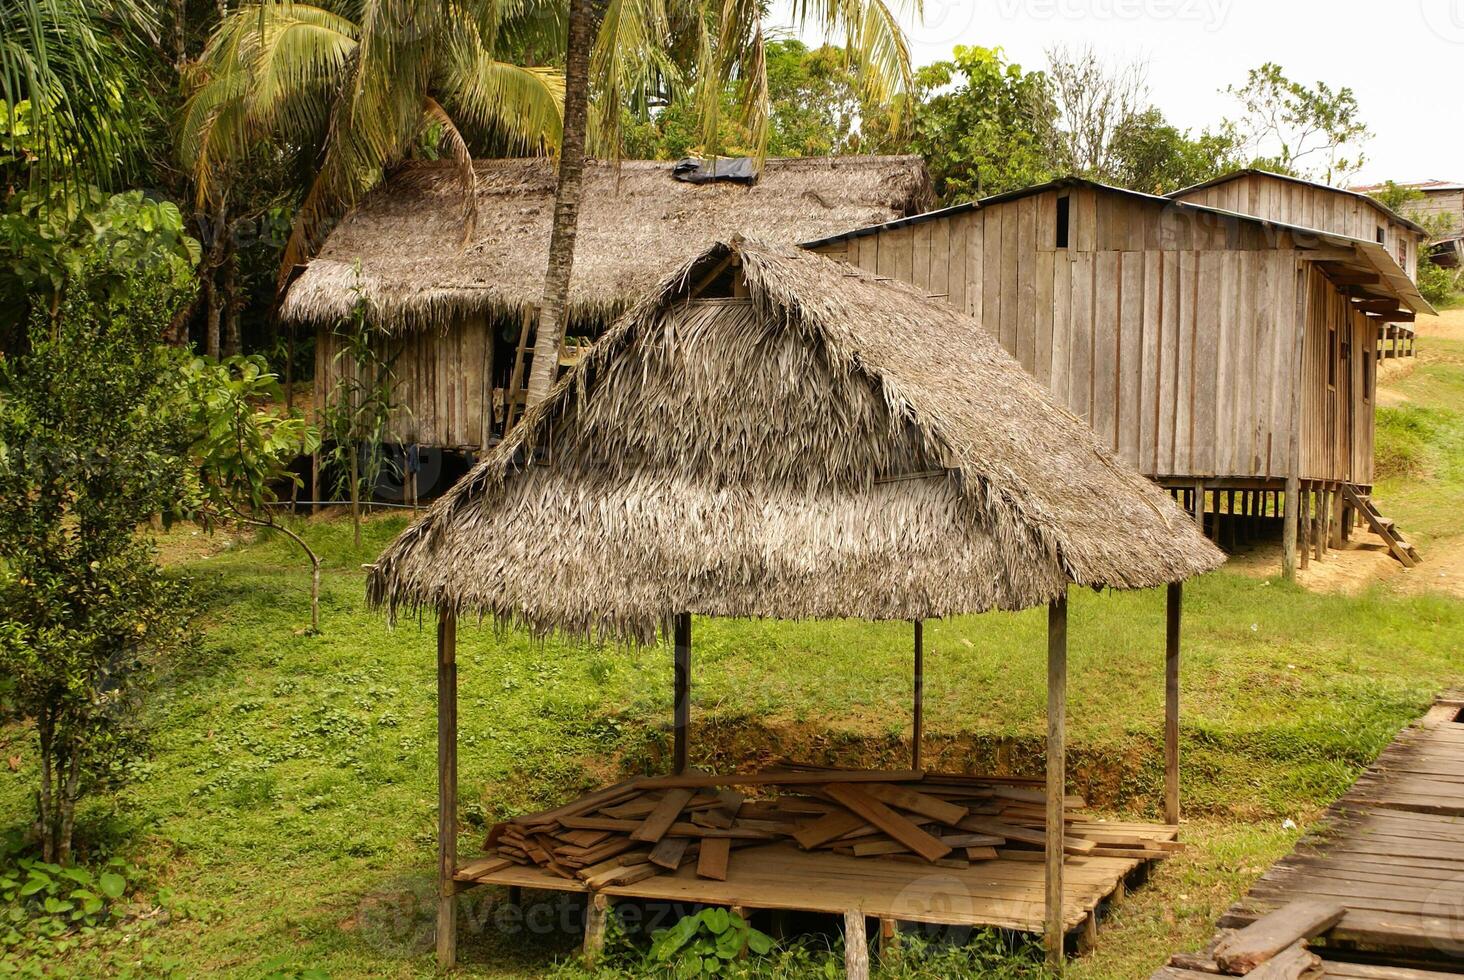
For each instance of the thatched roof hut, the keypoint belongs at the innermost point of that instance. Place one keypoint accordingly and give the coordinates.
(774, 434)
(636, 221)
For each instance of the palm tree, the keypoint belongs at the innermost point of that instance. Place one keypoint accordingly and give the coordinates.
(729, 41)
(357, 89)
(78, 64)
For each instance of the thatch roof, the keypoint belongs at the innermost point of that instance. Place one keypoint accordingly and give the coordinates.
(829, 446)
(636, 222)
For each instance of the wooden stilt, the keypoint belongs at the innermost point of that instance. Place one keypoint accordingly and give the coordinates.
(856, 946)
(1334, 521)
(1304, 520)
(1289, 529)
(683, 689)
(1173, 605)
(889, 939)
(597, 916)
(1197, 505)
(446, 789)
(918, 734)
(1052, 934)
(1319, 525)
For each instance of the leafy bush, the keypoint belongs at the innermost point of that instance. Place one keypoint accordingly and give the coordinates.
(46, 906)
(702, 945)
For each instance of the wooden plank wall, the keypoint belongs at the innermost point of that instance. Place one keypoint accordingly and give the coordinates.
(1320, 208)
(1174, 337)
(443, 383)
(1339, 384)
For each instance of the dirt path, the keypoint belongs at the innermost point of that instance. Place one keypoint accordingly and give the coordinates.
(1361, 563)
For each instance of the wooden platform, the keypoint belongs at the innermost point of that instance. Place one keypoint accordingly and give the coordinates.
(1391, 850)
(1391, 853)
(1005, 893)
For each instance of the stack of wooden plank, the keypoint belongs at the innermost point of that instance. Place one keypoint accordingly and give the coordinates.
(1274, 947)
(649, 825)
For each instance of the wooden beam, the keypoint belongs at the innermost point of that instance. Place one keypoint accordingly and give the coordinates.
(446, 789)
(682, 708)
(918, 734)
(1052, 933)
(1289, 529)
(1171, 702)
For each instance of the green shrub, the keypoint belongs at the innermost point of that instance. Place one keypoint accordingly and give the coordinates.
(1403, 436)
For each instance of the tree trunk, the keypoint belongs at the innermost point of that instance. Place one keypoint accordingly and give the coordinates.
(69, 792)
(45, 731)
(549, 334)
(233, 343)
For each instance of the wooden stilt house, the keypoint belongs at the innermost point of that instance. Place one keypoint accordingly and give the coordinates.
(457, 314)
(1228, 357)
(772, 434)
(1308, 204)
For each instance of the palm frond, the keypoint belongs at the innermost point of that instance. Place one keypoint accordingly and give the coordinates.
(462, 159)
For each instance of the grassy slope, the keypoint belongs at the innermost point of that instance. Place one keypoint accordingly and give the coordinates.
(294, 786)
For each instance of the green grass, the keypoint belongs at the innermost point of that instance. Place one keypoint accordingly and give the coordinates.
(288, 817)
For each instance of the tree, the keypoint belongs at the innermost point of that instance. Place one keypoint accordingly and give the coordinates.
(354, 95)
(90, 450)
(79, 67)
(1156, 157)
(1287, 127)
(1096, 105)
(240, 449)
(730, 48)
(985, 130)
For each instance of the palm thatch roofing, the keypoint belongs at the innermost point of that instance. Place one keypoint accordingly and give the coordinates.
(636, 221)
(827, 446)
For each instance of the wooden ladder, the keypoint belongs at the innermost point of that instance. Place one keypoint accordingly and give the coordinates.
(517, 396)
(1384, 527)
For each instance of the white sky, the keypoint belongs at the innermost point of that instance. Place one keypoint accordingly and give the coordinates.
(1402, 58)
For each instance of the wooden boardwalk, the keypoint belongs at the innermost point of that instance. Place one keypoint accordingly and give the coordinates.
(1391, 852)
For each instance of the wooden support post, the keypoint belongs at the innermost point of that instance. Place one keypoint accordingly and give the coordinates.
(856, 946)
(889, 940)
(1171, 702)
(1335, 521)
(446, 789)
(1197, 505)
(597, 915)
(1052, 933)
(1289, 529)
(1319, 525)
(1303, 518)
(683, 688)
(919, 726)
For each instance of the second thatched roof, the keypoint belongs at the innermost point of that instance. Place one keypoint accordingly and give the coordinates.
(774, 434)
(402, 249)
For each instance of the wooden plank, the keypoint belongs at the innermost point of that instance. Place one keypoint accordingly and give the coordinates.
(991, 251)
(916, 802)
(887, 820)
(1106, 357)
(1080, 359)
(670, 851)
(654, 827)
(826, 828)
(1130, 369)
(1272, 934)
(813, 778)
(1046, 274)
(711, 861)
